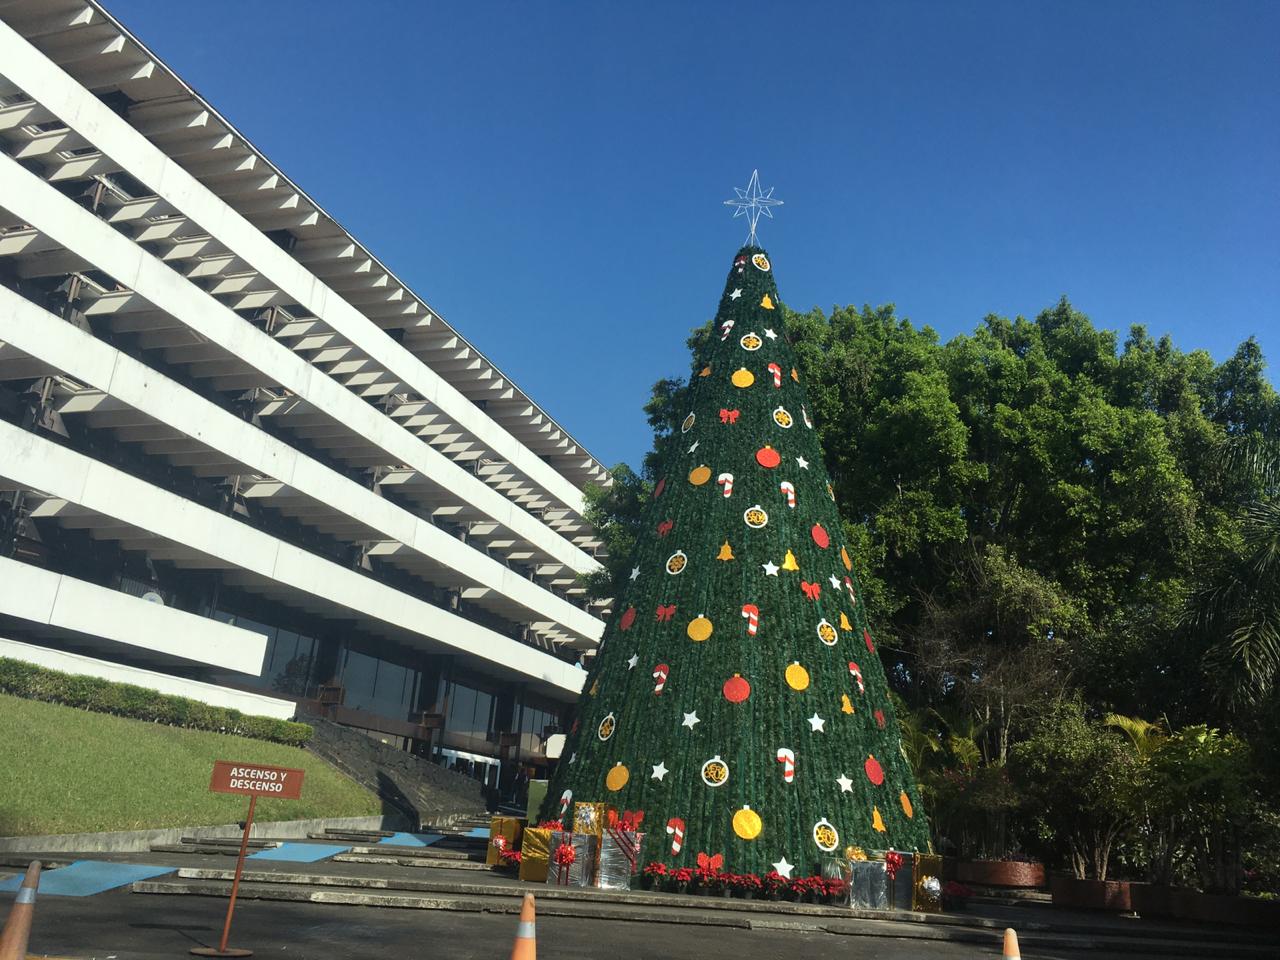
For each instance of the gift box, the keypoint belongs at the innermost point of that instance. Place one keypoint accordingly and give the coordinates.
(535, 855)
(926, 889)
(537, 794)
(868, 885)
(509, 829)
(588, 818)
(575, 867)
(900, 882)
(619, 858)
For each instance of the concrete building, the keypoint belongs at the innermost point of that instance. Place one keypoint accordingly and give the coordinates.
(239, 459)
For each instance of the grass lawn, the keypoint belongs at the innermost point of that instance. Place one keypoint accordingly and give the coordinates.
(71, 771)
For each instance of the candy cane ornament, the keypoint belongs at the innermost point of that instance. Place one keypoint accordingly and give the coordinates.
(726, 482)
(751, 613)
(776, 370)
(675, 828)
(724, 330)
(789, 491)
(565, 799)
(660, 673)
(788, 760)
(857, 675)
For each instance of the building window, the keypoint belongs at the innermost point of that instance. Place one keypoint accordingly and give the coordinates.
(470, 712)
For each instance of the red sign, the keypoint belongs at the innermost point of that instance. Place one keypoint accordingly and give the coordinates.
(256, 780)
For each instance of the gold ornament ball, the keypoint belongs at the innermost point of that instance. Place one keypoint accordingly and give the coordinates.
(797, 677)
(742, 377)
(699, 629)
(617, 778)
(747, 823)
(699, 475)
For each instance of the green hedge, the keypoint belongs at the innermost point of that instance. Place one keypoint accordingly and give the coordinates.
(126, 700)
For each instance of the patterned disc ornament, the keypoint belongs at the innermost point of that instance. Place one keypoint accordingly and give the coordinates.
(782, 418)
(825, 835)
(677, 562)
(688, 423)
(760, 262)
(755, 517)
(751, 342)
(607, 726)
(742, 378)
(617, 778)
(699, 475)
(715, 772)
(699, 629)
(768, 457)
(827, 633)
(797, 676)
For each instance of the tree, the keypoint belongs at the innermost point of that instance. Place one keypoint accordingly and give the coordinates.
(1081, 779)
(737, 692)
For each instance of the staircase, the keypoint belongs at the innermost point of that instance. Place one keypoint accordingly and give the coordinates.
(421, 791)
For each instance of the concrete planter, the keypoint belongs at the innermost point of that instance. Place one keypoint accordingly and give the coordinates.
(1000, 873)
(1076, 894)
(1154, 901)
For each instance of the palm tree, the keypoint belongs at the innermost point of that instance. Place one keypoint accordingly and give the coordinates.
(1236, 608)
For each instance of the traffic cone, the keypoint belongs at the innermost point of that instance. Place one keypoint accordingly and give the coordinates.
(17, 929)
(1011, 951)
(526, 945)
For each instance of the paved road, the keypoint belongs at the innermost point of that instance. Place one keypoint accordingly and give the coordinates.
(123, 926)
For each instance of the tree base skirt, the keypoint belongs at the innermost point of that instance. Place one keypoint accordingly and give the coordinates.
(1000, 873)
(1155, 901)
(1077, 894)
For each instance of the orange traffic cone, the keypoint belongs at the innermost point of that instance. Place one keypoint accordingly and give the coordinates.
(17, 929)
(526, 945)
(1011, 951)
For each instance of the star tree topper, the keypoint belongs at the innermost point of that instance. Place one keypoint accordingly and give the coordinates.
(752, 203)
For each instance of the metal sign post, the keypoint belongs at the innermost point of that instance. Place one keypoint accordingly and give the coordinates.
(253, 780)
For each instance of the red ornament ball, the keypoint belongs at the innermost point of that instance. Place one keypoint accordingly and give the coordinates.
(866, 638)
(736, 689)
(820, 536)
(768, 457)
(874, 771)
(627, 619)
(879, 715)
(662, 485)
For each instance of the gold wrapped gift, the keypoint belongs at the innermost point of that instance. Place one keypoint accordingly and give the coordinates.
(926, 878)
(535, 855)
(588, 818)
(509, 828)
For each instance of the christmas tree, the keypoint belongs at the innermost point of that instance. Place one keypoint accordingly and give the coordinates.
(737, 697)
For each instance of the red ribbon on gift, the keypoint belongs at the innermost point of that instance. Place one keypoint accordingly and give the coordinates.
(629, 820)
(565, 854)
(892, 861)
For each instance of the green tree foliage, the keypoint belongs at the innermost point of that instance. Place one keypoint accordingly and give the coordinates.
(1049, 511)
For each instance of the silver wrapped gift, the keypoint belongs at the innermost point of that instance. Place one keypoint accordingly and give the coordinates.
(868, 885)
(902, 887)
(580, 873)
(619, 858)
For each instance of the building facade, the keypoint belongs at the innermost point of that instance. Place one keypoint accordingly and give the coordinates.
(239, 459)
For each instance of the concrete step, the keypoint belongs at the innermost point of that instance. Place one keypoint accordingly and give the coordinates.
(412, 861)
(433, 852)
(256, 843)
(705, 912)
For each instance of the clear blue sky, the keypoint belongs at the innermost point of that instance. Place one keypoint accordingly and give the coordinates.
(549, 176)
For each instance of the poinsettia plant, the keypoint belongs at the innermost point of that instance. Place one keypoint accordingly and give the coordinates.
(655, 869)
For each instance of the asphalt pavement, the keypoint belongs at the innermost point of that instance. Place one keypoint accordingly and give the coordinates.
(123, 926)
